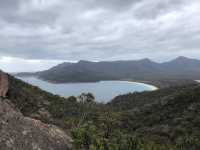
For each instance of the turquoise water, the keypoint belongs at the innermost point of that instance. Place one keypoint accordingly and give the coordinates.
(103, 91)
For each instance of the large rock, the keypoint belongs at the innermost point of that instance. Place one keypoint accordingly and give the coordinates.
(22, 133)
(4, 84)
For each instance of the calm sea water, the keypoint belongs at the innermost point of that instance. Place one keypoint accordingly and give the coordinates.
(103, 91)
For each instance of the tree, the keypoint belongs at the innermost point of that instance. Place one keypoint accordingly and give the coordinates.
(86, 98)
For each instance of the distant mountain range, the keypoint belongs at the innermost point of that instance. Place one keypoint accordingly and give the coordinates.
(145, 69)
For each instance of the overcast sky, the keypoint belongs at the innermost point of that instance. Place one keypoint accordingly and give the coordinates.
(37, 34)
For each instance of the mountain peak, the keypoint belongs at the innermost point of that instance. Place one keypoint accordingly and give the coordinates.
(83, 61)
(181, 58)
(146, 59)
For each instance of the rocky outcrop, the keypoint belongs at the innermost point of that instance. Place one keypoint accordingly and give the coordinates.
(22, 133)
(4, 84)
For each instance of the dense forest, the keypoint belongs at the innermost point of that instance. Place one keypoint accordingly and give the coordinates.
(166, 119)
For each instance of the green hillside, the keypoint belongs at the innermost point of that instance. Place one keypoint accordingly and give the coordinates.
(167, 119)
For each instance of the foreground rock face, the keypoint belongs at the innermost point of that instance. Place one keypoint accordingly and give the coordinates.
(4, 84)
(22, 133)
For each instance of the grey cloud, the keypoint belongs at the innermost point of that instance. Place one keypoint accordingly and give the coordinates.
(98, 30)
(154, 8)
(9, 8)
(115, 4)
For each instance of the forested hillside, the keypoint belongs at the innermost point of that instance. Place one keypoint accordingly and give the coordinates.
(166, 119)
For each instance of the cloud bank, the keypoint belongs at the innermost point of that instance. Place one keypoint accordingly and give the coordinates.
(49, 30)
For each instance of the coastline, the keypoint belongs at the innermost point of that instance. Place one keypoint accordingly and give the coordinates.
(153, 84)
(166, 83)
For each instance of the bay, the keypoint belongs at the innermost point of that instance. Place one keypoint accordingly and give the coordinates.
(104, 91)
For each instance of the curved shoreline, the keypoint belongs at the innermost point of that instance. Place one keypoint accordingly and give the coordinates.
(166, 83)
(149, 84)
(153, 84)
(153, 87)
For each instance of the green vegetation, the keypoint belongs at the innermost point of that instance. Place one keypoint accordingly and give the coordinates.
(167, 119)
